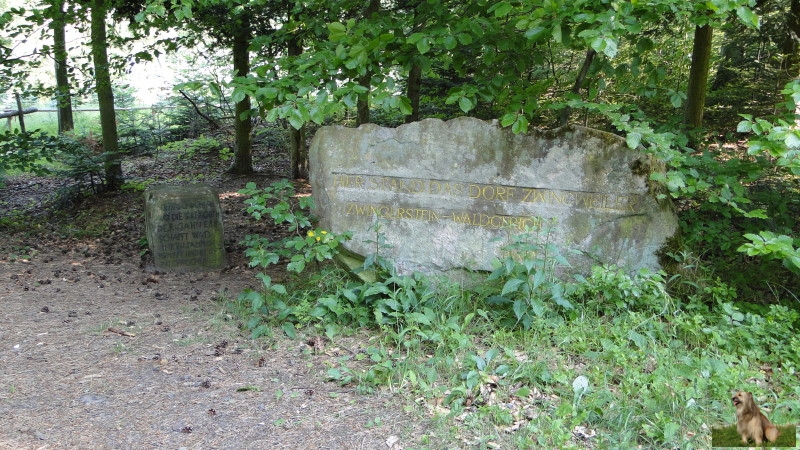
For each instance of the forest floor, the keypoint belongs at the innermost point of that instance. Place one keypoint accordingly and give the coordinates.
(100, 350)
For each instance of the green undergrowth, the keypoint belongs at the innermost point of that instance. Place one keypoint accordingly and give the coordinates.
(729, 437)
(524, 359)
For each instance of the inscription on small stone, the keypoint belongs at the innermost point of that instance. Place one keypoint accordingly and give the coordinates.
(449, 195)
(184, 228)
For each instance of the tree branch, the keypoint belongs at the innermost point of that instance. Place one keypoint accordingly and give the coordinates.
(214, 125)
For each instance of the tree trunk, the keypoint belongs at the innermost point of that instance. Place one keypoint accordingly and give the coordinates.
(298, 153)
(63, 94)
(243, 157)
(362, 107)
(576, 88)
(105, 96)
(791, 44)
(414, 88)
(698, 77)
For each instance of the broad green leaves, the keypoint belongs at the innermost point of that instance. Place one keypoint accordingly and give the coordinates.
(505, 53)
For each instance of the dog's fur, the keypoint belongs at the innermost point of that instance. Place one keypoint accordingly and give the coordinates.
(751, 423)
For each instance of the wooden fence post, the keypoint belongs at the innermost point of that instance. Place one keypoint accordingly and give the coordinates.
(21, 113)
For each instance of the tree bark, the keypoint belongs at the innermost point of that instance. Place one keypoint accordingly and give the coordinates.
(243, 156)
(105, 96)
(63, 94)
(791, 44)
(298, 153)
(414, 91)
(576, 88)
(698, 77)
(362, 106)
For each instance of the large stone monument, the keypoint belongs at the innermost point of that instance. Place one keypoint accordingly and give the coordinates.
(184, 227)
(449, 195)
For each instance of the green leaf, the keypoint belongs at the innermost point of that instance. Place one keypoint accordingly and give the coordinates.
(264, 279)
(520, 125)
(289, 329)
(501, 9)
(644, 44)
(536, 33)
(464, 38)
(405, 106)
(676, 99)
(423, 45)
(792, 140)
(238, 95)
(350, 99)
(296, 266)
(633, 139)
(744, 126)
(792, 263)
(296, 119)
(557, 33)
(756, 213)
(511, 285)
(336, 31)
(671, 431)
(520, 308)
(419, 318)
(747, 16)
(598, 44)
(465, 104)
(610, 48)
(637, 339)
(508, 119)
(279, 288)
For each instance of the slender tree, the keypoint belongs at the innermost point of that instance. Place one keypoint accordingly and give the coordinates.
(791, 44)
(298, 154)
(414, 91)
(243, 156)
(365, 80)
(105, 94)
(698, 76)
(63, 95)
(576, 88)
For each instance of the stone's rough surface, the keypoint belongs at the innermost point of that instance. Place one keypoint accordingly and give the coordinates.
(449, 195)
(184, 228)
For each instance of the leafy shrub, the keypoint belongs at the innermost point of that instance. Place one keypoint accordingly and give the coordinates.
(303, 246)
(529, 277)
(271, 137)
(200, 145)
(195, 112)
(84, 163)
(30, 152)
(611, 286)
(78, 159)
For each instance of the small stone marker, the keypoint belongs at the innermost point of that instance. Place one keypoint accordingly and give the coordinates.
(449, 195)
(184, 227)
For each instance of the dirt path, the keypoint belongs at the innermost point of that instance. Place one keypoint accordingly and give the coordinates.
(99, 351)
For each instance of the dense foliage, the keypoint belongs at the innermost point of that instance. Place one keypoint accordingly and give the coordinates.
(484, 354)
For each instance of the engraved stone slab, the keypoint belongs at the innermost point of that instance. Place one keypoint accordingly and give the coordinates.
(449, 195)
(184, 227)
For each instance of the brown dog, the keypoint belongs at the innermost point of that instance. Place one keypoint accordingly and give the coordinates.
(751, 423)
